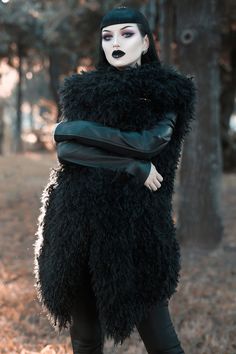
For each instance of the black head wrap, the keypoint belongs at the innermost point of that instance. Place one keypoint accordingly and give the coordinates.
(126, 14)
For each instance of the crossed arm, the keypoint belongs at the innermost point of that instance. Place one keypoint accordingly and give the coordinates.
(75, 153)
(140, 145)
(92, 144)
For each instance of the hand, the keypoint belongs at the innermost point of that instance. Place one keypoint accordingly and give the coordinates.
(154, 179)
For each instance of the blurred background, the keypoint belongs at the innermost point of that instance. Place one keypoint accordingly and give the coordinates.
(42, 42)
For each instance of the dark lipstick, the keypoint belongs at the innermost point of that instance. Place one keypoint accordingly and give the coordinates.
(117, 54)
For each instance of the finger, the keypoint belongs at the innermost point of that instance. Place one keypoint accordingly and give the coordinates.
(156, 183)
(149, 187)
(159, 177)
(153, 186)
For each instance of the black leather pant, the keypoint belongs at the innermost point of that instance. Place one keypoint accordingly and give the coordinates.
(157, 330)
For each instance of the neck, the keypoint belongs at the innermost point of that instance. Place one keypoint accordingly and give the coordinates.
(136, 65)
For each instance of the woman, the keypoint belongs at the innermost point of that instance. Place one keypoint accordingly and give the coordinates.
(106, 255)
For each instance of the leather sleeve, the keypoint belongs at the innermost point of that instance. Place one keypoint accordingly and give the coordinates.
(73, 152)
(141, 145)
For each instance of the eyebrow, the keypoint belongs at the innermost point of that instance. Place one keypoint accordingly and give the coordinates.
(121, 28)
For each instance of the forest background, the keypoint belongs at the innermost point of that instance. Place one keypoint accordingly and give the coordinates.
(42, 42)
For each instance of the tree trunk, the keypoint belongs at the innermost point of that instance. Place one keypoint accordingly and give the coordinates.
(31, 118)
(54, 72)
(17, 144)
(227, 98)
(166, 21)
(1, 128)
(149, 10)
(198, 40)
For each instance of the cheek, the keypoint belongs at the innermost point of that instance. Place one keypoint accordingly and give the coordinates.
(103, 46)
(107, 47)
(133, 44)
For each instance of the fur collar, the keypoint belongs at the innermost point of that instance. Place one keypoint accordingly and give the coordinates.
(134, 98)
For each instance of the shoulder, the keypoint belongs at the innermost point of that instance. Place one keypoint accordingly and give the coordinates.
(74, 92)
(181, 87)
(179, 79)
(75, 86)
(75, 81)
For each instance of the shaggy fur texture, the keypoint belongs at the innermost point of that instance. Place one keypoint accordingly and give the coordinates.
(122, 230)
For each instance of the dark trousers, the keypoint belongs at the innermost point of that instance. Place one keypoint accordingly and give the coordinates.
(156, 330)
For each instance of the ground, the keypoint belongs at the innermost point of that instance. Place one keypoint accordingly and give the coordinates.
(203, 310)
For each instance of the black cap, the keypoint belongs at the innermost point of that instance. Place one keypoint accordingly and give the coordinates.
(124, 15)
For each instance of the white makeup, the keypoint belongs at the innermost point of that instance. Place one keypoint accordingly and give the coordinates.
(124, 37)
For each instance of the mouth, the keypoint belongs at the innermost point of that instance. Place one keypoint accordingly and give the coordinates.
(117, 54)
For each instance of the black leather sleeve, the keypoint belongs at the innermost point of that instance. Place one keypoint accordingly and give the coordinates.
(73, 152)
(141, 145)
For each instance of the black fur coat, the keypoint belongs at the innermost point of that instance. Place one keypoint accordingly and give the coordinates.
(123, 231)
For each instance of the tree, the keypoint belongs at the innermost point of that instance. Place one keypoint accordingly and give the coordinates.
(19, 30)
(167, 29)
(228, 83)
(198, 42)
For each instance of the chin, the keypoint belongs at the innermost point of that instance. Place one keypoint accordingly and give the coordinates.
(118, 64)
(121, 65)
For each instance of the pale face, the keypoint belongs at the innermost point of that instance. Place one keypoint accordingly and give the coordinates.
(124, 37)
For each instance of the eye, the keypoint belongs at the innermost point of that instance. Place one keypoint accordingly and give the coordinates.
(128, 34)
(107, 37)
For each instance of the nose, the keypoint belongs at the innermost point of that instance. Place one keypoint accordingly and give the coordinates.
(115, 42)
